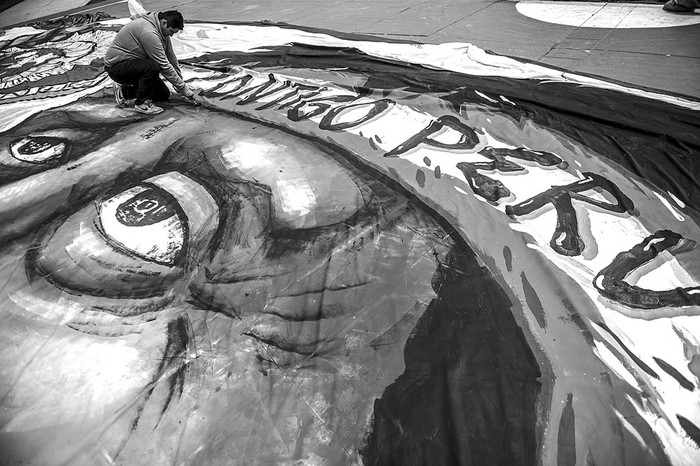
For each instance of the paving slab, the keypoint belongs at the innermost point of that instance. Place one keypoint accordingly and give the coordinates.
(259, 10)
(610, 16)
(428, 18)
(576, 43)
(509, 26)
(589, 33)
(568, 53)
(28, 9)
(569, 64)
(654, 41)
(288, 12)
(352, 16)
(656, 71)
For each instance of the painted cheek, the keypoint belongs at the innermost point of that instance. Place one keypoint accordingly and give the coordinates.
(309, 189)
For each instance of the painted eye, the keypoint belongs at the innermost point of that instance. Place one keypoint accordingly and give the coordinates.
(38, 149)
(146, 221)
(132, 245)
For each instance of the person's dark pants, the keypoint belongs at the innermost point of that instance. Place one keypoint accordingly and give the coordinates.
(139, 79)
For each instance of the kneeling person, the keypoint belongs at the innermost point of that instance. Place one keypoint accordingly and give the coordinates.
(140, 53)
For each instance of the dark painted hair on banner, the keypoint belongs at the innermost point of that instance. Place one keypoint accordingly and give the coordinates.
(174, 19)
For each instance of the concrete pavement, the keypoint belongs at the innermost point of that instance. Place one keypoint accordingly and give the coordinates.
(638, 44)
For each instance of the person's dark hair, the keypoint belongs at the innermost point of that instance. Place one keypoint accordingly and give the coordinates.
(174, 19)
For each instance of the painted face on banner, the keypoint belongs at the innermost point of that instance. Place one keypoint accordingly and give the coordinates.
(269, 253)
(303, 268)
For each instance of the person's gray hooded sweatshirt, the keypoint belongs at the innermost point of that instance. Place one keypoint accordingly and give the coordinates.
(142, 38)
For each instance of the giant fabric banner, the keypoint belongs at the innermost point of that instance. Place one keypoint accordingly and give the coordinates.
(355, 252)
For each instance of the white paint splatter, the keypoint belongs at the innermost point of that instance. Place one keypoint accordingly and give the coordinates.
(614, 364)
(504, 99)
(671, 209)
(678, 202)
(484, 96)
(297, 197)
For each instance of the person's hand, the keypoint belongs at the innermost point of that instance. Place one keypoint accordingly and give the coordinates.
(195, 98)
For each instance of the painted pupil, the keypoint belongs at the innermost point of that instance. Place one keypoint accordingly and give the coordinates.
(34, 146)
(146, 208)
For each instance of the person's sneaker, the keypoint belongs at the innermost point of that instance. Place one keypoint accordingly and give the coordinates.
(674, 7)
(148, 108)
(122, 102)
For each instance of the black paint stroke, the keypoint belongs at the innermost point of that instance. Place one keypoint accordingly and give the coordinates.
(690, 429)
(318, 106)
(395, 334)
(493, 190)
(566, 239)
(308, 90)
(482, 185)
(498, 156)
(271, 87)
(508, 257)
(566, 437)
(578, 320)
(238, 90)
(533, 301)
(376, 108)
(610, 281)
(673, 372)
(590, 461)
(467, 140)
(420, 178)
(469, 392)
(172, 369)
(174, 355)
(295, 90)
(644, 366)
(257, 91)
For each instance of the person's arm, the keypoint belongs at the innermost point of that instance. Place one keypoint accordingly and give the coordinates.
(153, 47)
(172, 58)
